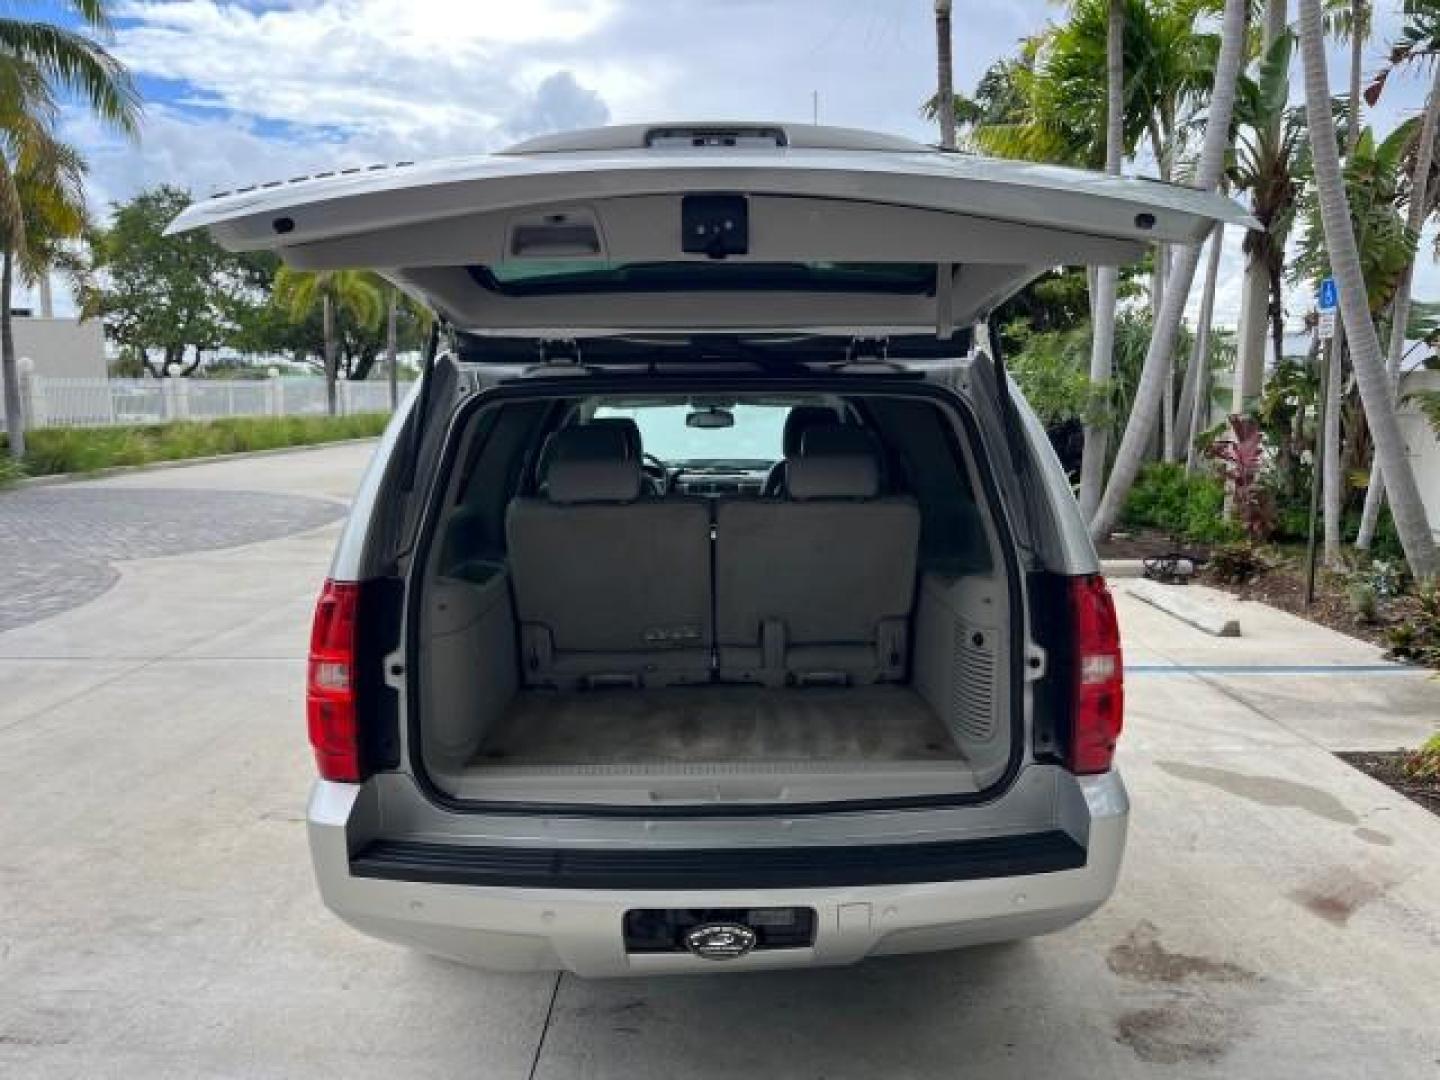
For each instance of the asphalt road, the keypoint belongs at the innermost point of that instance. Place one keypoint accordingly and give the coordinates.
(1278, 916)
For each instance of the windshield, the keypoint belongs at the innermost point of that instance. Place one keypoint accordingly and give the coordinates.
(756, 438)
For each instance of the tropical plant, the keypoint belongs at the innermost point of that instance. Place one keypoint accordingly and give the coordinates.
(1157, 369)
(1242, 457)
(348, 295)
(1286, 411)
(1339, 232)
(39, 176)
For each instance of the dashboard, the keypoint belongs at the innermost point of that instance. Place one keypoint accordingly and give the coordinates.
(715, 483)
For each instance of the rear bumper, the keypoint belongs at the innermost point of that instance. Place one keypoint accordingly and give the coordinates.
(563, 910)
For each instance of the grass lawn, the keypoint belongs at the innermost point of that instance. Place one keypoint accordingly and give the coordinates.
(50, 451)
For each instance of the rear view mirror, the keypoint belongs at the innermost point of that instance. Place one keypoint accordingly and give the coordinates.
(712, 417)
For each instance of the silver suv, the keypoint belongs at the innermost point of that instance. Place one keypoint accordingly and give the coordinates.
(714, 602)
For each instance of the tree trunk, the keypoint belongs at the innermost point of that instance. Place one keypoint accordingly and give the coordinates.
(14, 414)
(1102, 338)
(327, 318)
(1255, 311)
(390, 336)
(1141, 425)
(1167, 417)
(1400, 308)
(1333, 474)
(1274, 24)
(1406, 507)
(1277, 311)
(1195, 394)
(944, 74)
(1250, 334)
(47, 297)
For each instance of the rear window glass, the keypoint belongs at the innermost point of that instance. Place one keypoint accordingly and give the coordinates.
(534, 277)
(755, 438)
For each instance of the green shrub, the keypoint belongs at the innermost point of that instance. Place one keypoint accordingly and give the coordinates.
(1364, 601)
(1192, 507)
(1235, 564)
(1424, 764)
(10, 469)
(71, 450)
(1418, 637)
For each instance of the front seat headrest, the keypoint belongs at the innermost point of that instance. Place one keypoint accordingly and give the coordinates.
(592, 463)
(800, 419)
(627, 426)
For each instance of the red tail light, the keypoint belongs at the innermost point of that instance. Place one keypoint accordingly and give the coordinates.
(330, 683)
(1099, 676)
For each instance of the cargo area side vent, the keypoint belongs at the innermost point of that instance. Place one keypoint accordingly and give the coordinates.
(972, 693)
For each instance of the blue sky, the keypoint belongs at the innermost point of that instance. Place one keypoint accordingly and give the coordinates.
(244, 91)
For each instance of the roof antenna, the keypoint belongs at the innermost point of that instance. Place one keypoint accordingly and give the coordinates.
(815, 106)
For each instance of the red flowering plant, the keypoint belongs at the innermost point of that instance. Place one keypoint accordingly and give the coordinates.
(1242, 458)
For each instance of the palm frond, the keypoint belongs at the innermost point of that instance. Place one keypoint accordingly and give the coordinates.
(71, 60)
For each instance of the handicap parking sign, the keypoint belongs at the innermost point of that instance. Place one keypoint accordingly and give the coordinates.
(1329, 296)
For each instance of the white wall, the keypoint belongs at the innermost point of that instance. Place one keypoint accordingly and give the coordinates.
(62, 348)
(1424, 447)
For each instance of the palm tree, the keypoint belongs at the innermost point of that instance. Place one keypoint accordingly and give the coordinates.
(39, 176)
(1250, 365)
(1156, 373)
(338, 293)
(1270, 155)
(47, 179)
(1102, 343)
(1406, 506)
(1419, 42)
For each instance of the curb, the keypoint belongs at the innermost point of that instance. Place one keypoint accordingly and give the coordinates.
(1187, 609)
(179, 463)
(1119, 569)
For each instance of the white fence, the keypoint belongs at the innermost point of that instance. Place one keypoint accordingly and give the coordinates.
(100, 402)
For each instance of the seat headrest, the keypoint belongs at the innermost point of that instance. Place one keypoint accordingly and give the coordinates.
(592, 463)
(801, 419)
(625, 425)
(833, 476)
(835, 438)
(835, 462)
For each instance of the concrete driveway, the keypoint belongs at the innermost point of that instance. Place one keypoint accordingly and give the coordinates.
(1279, 913)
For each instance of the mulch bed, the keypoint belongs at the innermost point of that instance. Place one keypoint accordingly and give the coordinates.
(1387, 767)
(1143, 543)
(1281, 586)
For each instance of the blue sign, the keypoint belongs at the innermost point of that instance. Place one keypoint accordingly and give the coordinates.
(1329, 296)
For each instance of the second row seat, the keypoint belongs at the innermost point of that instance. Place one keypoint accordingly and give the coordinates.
(613, 588)
(818, 588)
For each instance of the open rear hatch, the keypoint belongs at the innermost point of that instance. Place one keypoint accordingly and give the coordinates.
(678, 227)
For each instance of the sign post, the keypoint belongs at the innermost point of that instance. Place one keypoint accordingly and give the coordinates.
(1326, 301)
